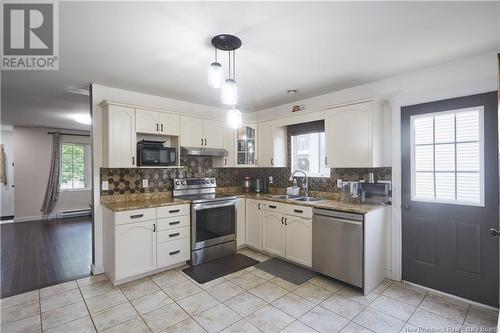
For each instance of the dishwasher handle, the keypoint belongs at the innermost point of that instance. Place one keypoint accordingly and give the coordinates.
(339, 215)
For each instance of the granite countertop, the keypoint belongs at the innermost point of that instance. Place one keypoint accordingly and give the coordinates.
(350, 207)
(119, 206)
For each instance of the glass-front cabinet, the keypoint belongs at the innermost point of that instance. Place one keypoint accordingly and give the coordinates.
(246, 145)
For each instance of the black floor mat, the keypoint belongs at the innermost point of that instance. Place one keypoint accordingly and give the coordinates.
(287, 271)
(217, 268)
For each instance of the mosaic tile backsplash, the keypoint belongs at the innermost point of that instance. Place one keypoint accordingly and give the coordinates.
(129, 181)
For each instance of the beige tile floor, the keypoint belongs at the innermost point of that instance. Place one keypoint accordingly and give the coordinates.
(246, 301)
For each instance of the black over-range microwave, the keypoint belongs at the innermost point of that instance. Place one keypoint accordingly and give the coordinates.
(154, 153)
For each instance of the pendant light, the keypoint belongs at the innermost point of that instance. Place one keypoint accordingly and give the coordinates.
(229, 91)
(215, 74)
(234, 118)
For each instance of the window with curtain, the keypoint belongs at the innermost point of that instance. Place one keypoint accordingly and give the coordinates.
(75, 166)
(307, 147)
(447, 157)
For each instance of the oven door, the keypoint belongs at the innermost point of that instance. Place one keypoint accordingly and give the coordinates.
(213, 223)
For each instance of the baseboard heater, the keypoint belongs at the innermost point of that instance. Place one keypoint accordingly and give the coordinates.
(73, 213)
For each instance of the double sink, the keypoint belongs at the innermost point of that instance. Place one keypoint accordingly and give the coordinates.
(295, 198)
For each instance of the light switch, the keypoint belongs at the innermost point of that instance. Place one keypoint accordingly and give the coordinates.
(145, 183)
(104, 185)
(270, 179)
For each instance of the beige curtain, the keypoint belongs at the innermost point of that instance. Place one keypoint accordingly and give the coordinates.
(52, 191)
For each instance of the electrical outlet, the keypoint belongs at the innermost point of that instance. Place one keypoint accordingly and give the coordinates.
(339, 183)
(105, 185)
(270, 179)
(145, 183)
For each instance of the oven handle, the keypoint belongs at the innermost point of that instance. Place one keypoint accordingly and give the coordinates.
(206, 205)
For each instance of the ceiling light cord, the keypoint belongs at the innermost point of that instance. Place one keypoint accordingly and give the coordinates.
(234, 65)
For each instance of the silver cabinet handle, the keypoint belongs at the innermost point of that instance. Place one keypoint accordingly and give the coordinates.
(494, 232)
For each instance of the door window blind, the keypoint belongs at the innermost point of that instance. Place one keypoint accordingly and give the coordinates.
(447, 157)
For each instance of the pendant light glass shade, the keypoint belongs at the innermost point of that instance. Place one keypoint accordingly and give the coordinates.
(215, 75)
(234, 118)
(229, 92)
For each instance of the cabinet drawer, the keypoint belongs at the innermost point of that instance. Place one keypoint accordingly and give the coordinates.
(273, 206)
(302, 211)
(174, 252)
(171, 211)
(173, 222)
(133, 216)
(172, 234)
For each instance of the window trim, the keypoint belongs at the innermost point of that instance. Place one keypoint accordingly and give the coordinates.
(481, 158)
(86, 167)
(328, 175)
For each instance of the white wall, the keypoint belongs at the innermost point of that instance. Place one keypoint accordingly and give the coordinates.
(6, 190)
(458, 78)
(32, 157)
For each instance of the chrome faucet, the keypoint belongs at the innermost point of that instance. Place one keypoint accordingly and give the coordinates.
(305, 184)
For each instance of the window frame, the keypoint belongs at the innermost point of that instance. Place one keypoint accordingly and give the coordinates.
(413, 197)
(86, 167)
(320, 159)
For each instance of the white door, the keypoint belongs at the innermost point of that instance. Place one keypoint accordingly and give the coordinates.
(214, 133)
(147, 121)
(135, 248)
(348, 137)
(191, 132)
(266, 143)
(253, 223)
(122, 138)
(169, 124)
(299, 239)
(273, 233)
(7, 189)
(240, 222)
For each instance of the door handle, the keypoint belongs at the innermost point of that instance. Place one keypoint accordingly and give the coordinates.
(157, 127)
(286, 218)
(154, 227)
(494, 233)
(272, 161)
(407, 206)
(205, 142)
(202, 142)
(133, 160)
(259, 206)
(326, 160)
(282, 220)
(225, 161)
(162, 127)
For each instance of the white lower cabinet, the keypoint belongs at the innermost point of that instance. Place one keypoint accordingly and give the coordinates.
(287, 232)
(139, 258)
(135, 247)
(253, 223)
(240, 222)
(273, 232)
(298, 235)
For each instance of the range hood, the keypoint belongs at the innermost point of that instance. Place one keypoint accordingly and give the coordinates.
(199, 151)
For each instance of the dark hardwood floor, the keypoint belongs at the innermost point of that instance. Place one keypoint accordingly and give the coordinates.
(40, 253)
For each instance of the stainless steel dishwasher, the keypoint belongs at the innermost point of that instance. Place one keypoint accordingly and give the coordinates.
(337, 240)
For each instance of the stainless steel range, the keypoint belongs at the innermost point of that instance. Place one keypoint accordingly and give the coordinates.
(213, 219)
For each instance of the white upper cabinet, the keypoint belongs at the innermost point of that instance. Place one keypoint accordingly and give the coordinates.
(119, 138)
(169, 124)
(155, 122)
(229, 145)
(272, 145)
(191, 132)
(147, 121)
(214, 133)
(197, 132)
(353, 136)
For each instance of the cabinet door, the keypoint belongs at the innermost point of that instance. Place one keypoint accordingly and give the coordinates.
(240, 222)
(169, 124)
(273, 233)
(348, 137)
(121, 143)
(246, 145)
(191, 132)
(266, 144)
(229, 145)
(135, 249)
(214, 133)
(298, 232)
(147, 121)
(253, 223)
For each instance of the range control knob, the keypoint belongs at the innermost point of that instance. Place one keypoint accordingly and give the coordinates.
(212, 181)
(183, 182)
(207, 181)
(176, 182)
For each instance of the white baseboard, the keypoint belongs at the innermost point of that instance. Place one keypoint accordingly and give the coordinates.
(96, 269)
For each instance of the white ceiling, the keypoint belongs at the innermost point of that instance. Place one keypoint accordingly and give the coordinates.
(164, 49)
